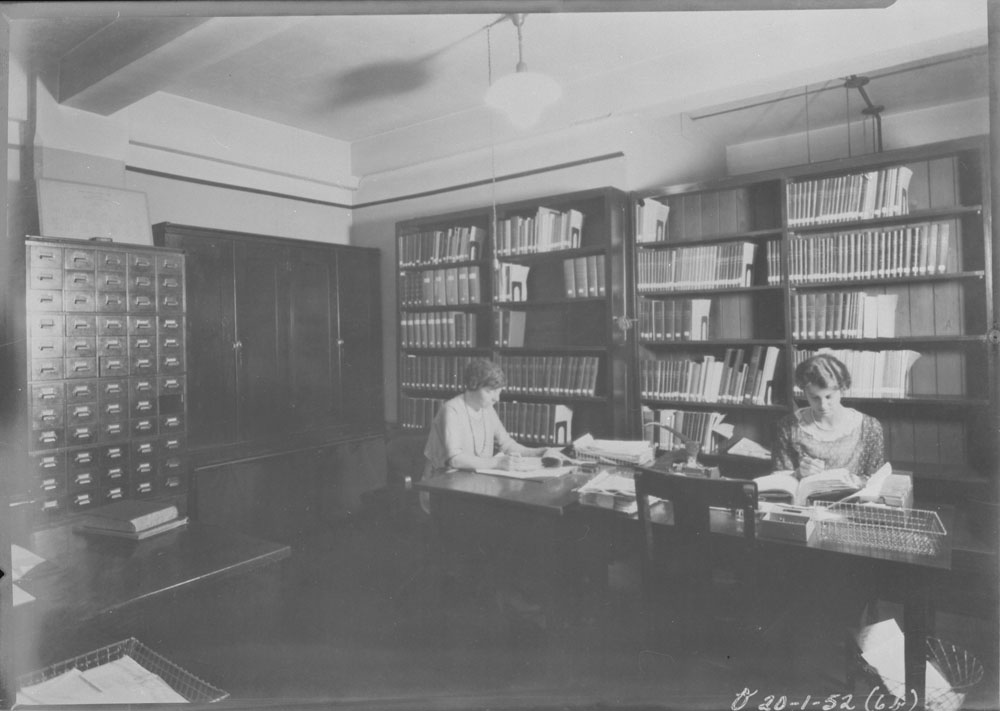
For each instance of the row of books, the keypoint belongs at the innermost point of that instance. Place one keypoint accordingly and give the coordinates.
(538, 423)
(651, 218)
(450, 286)
(547, 230)
(417, 413)
(584, 276)
(843, 314)
(697, 426)
(873, 373)
(550, 375)
(859, 196)
(713, 266)
(907, 251)
(508, 328)
(440, 329)
(454, 244)
(775, 265)
(674, 319)
(433, 371)
(738, 378)
(511, 283)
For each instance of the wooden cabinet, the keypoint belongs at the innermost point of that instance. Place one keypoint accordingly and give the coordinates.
(106, 374)
(285, 339)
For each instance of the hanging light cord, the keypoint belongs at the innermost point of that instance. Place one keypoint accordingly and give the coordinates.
(493, 148)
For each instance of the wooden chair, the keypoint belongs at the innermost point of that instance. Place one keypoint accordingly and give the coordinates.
(699, 588)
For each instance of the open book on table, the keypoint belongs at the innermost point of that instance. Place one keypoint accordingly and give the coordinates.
(785, 487)
(552, 463)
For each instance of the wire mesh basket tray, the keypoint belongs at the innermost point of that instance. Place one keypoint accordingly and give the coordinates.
(959, 668)
(910, 531)
(186, 684)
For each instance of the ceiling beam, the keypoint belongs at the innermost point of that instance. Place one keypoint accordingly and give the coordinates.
(134, 57)
(199, 8)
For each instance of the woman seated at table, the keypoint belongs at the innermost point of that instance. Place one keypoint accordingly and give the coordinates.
(467, 433)
(826, 434)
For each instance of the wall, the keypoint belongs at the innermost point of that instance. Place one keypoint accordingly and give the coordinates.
(635, 153)
(197, 164)
(915, 128)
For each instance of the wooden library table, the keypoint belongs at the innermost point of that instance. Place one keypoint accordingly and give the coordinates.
(95, 590)
(503, 510)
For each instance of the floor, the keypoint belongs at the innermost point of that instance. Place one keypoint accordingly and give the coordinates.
(368, 619)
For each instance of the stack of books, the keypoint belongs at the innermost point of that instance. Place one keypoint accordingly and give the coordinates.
(133, 519)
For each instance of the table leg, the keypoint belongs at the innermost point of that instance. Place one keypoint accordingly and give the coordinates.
(918, 620)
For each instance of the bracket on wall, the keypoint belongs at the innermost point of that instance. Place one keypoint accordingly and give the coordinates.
(873, 110)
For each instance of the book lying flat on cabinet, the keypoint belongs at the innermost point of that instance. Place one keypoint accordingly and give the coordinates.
(135, 535)
(130, 515)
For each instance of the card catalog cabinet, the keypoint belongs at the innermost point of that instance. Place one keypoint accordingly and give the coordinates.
(106, 373)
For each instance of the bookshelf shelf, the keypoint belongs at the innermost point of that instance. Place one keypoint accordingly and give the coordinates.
(909, 218)
(546, 303)
(721, 343)
(451, 307)
(890, 343)
(440, 265)
(978, 275)
(916, 287)
(681, 293)
(713, 405)
(551, 255)
(765, 235)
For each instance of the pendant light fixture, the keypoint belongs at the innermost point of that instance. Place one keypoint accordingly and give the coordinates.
(522, 96)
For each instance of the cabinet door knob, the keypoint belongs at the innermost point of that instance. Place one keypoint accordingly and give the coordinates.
(340, 341)
(237, 345)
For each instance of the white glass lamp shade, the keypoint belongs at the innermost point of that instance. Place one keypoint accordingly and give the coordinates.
(522, 96)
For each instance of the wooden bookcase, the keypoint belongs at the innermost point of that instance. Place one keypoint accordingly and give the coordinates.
(551, 297)
(886, 258)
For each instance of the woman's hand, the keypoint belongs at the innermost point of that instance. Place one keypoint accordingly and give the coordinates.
(810, 465)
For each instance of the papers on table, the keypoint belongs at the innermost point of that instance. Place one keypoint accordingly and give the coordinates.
(637, 452)
(529, 474)
(22, 561)
(122, 681)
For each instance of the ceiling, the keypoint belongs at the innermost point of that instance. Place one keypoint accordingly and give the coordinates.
(361, 77)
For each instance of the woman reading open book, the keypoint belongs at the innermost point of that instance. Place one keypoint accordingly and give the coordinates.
(827, 440)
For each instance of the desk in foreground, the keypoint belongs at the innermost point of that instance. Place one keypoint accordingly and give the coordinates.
(92, 591)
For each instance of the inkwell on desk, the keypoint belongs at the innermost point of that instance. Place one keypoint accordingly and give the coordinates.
(690, 466)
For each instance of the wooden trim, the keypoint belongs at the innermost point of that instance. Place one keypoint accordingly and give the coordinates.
(230, 186)
(490, 180)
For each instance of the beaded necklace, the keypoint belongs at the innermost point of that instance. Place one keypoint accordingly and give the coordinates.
(477, 449)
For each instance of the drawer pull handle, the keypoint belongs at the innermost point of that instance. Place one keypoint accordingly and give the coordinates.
(49, 485)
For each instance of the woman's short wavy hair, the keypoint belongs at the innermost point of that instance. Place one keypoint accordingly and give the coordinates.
(483, 373)
(822, 371)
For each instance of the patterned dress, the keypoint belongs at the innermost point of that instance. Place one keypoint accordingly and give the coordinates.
(858, 447)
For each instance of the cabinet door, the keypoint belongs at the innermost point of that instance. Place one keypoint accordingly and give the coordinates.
(311, 338)
(360, 337)
(262, 343)
(211, 356)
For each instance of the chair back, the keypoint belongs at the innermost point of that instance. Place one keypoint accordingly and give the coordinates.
(689, 538)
